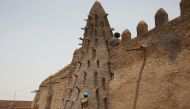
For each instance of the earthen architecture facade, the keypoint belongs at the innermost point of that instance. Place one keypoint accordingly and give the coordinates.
(150, 71)
(15, 104)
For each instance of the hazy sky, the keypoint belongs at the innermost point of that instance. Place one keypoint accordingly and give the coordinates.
(38, 37)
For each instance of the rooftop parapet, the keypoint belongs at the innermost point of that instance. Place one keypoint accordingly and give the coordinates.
(161, 17)
(142, 28)
(126, 36)
(185, 7)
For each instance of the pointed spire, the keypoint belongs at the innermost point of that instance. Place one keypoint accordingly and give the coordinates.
(97, 8)
(97, 27)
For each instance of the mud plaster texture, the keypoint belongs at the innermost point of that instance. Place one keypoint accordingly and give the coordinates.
(150, 71)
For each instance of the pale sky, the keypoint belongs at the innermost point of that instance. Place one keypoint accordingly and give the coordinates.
(38, 37)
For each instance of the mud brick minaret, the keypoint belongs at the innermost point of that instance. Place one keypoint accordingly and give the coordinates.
(94, 69)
